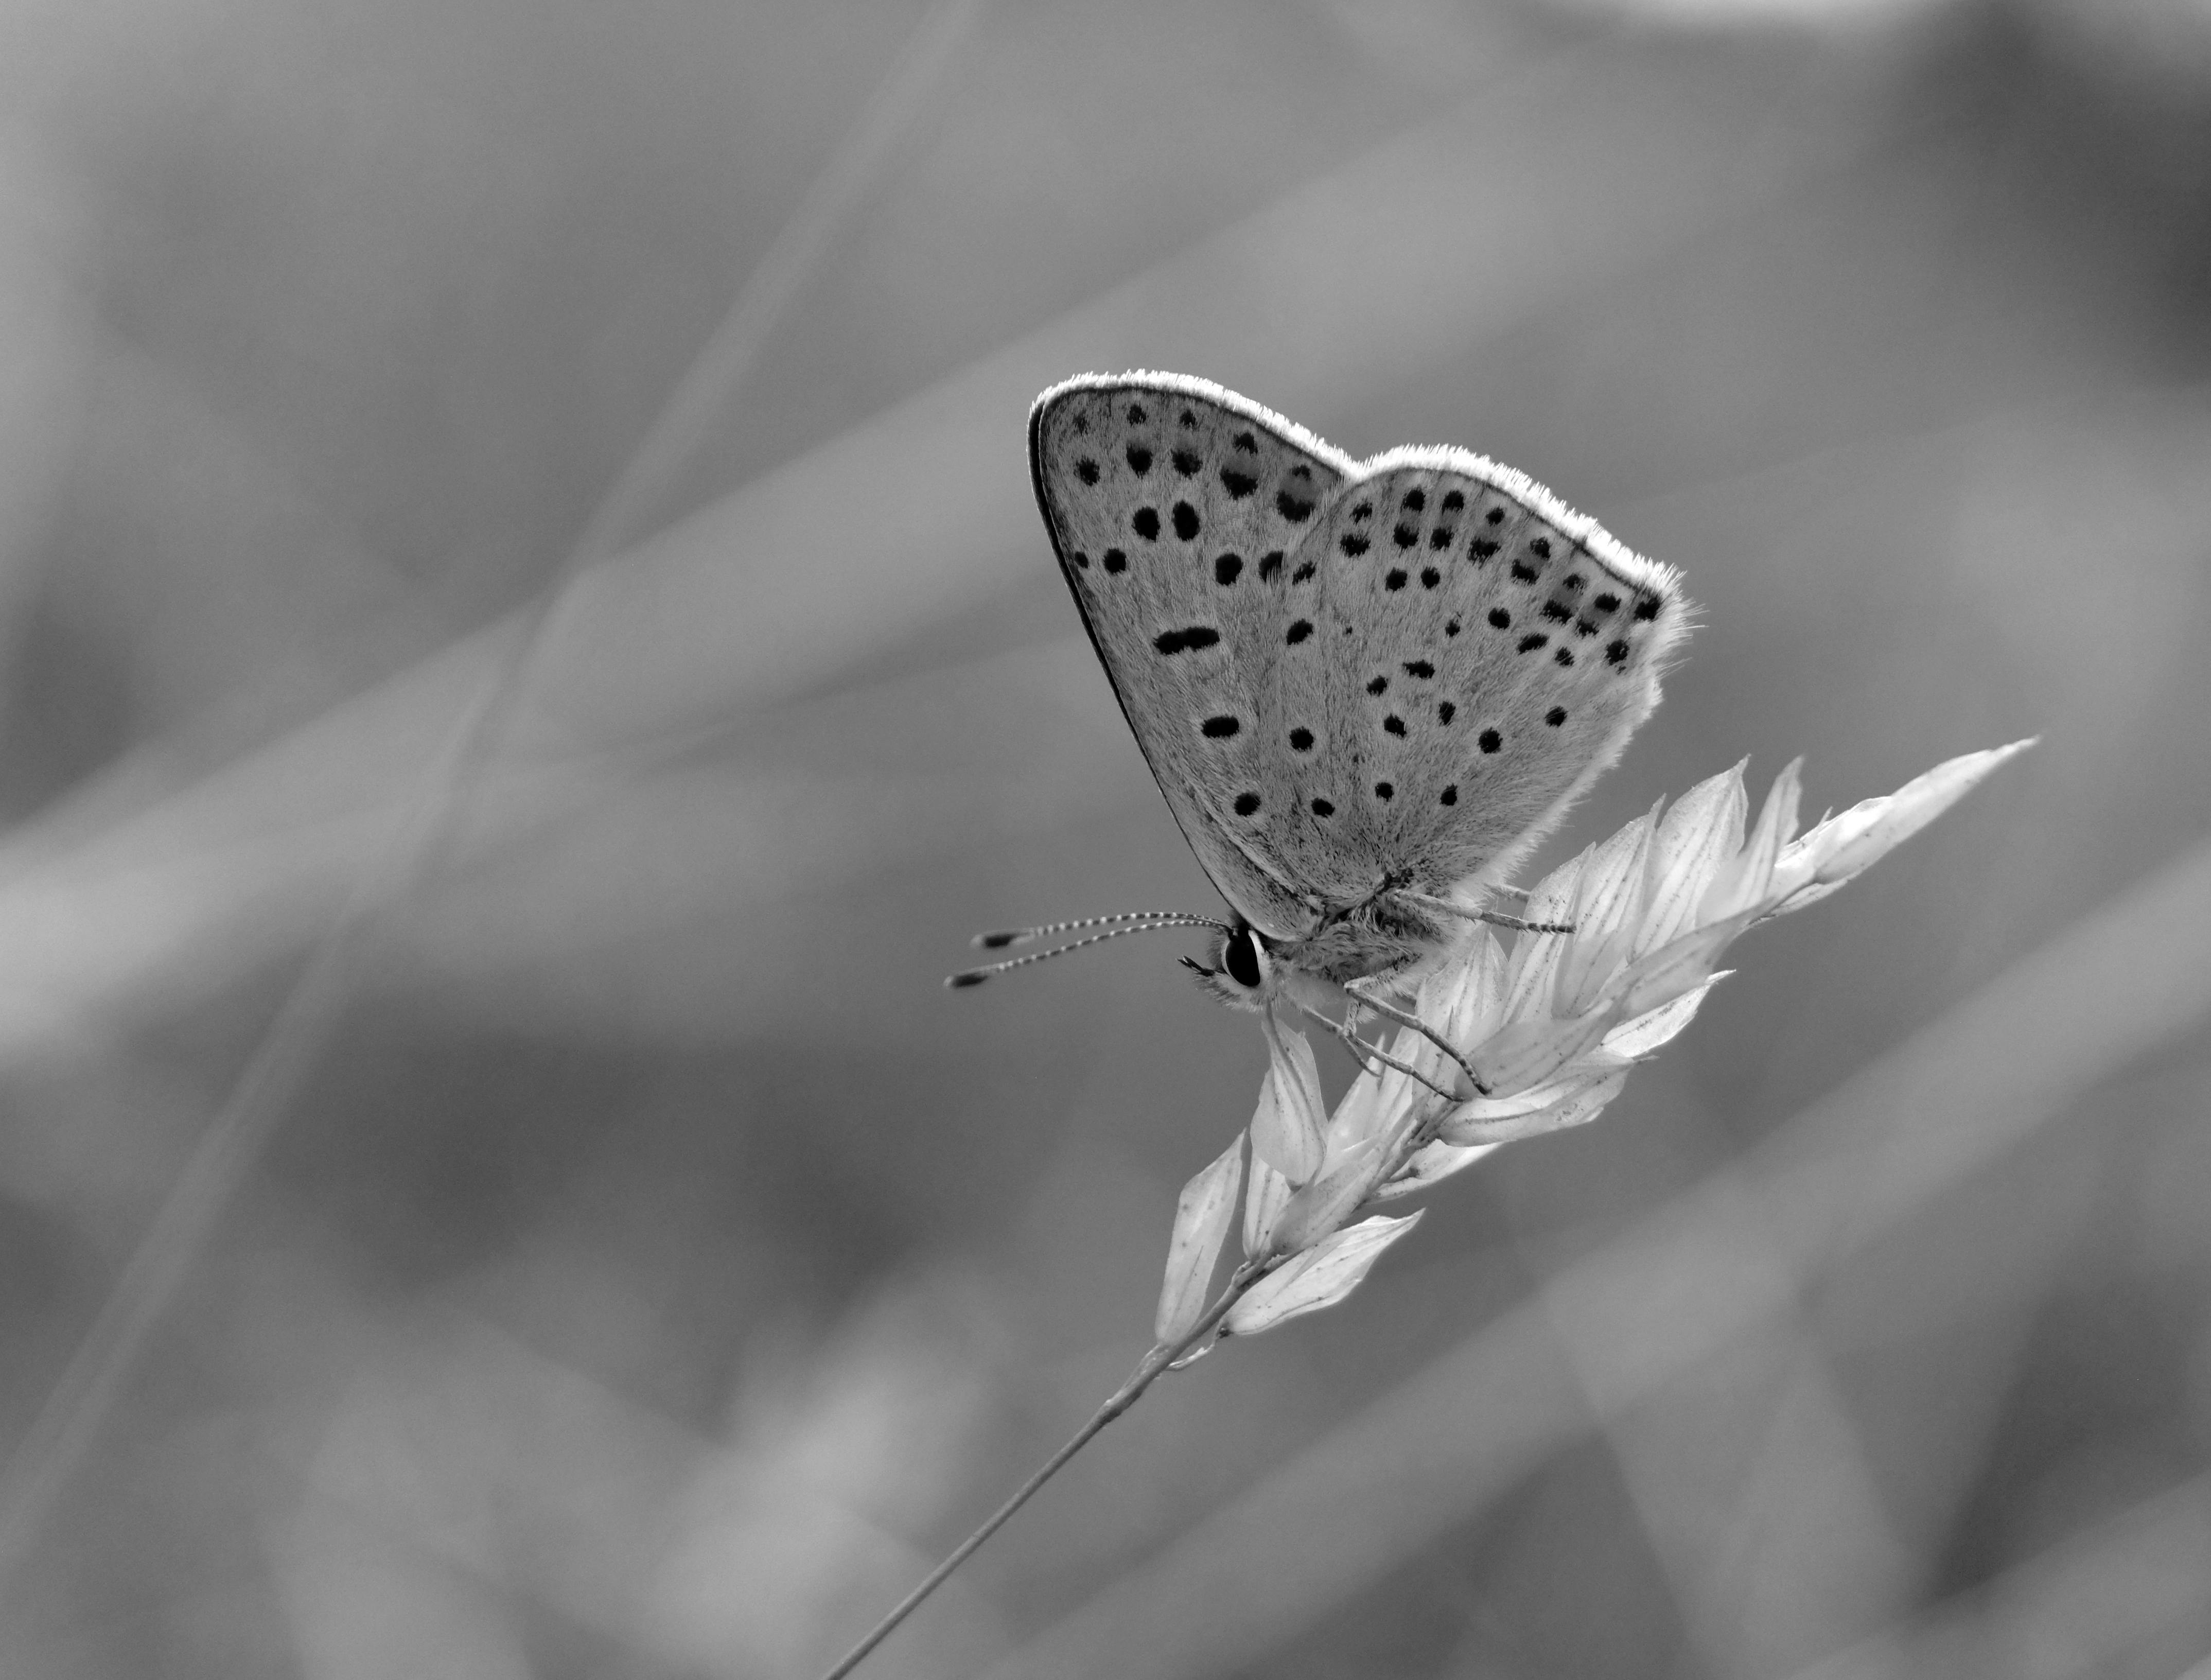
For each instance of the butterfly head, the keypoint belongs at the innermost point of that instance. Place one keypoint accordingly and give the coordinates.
(1241, 971)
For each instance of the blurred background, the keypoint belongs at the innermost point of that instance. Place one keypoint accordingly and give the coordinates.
(527, 649)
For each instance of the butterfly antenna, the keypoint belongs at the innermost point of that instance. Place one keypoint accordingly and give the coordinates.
(977, 976)
(1021, 936)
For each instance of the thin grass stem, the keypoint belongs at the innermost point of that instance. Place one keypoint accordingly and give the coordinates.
(1161, 1359)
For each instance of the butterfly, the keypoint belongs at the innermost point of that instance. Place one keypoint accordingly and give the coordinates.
(1367, 689)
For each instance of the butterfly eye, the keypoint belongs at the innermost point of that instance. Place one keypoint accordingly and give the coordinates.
(1244, 961)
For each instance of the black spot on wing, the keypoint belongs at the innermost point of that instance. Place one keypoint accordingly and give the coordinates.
(1500, 619)
(1139, 459)
(1221, 727)
(1114, 561)
(1299, 631)
(1226, 568)
(1247, 803)
(1185, 462)
(1145, 522)
(1086, 470)
(1269, 564)
(1238, 484)
(1352, 543)
(1294, 508)
(1185, 521)
(1189, 638)
(1489, 740)
(1555, 716)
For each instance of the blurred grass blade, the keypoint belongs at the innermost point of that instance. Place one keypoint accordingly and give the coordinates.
(2113, 1600)
(75, 1408)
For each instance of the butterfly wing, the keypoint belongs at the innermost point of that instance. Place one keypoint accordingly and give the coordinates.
(1174, 507)
(1481, 653)
(1342, 675)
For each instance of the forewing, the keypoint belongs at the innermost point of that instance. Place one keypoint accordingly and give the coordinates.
(1174, 507)
(1487, 651)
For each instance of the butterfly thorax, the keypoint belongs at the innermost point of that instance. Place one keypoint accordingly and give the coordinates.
(1379, 938)
(1385, 941)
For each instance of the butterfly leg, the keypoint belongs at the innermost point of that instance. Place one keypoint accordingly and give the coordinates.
(1494, 918)
(1361, 1051)
(1407, 1018)
(1498, 918)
